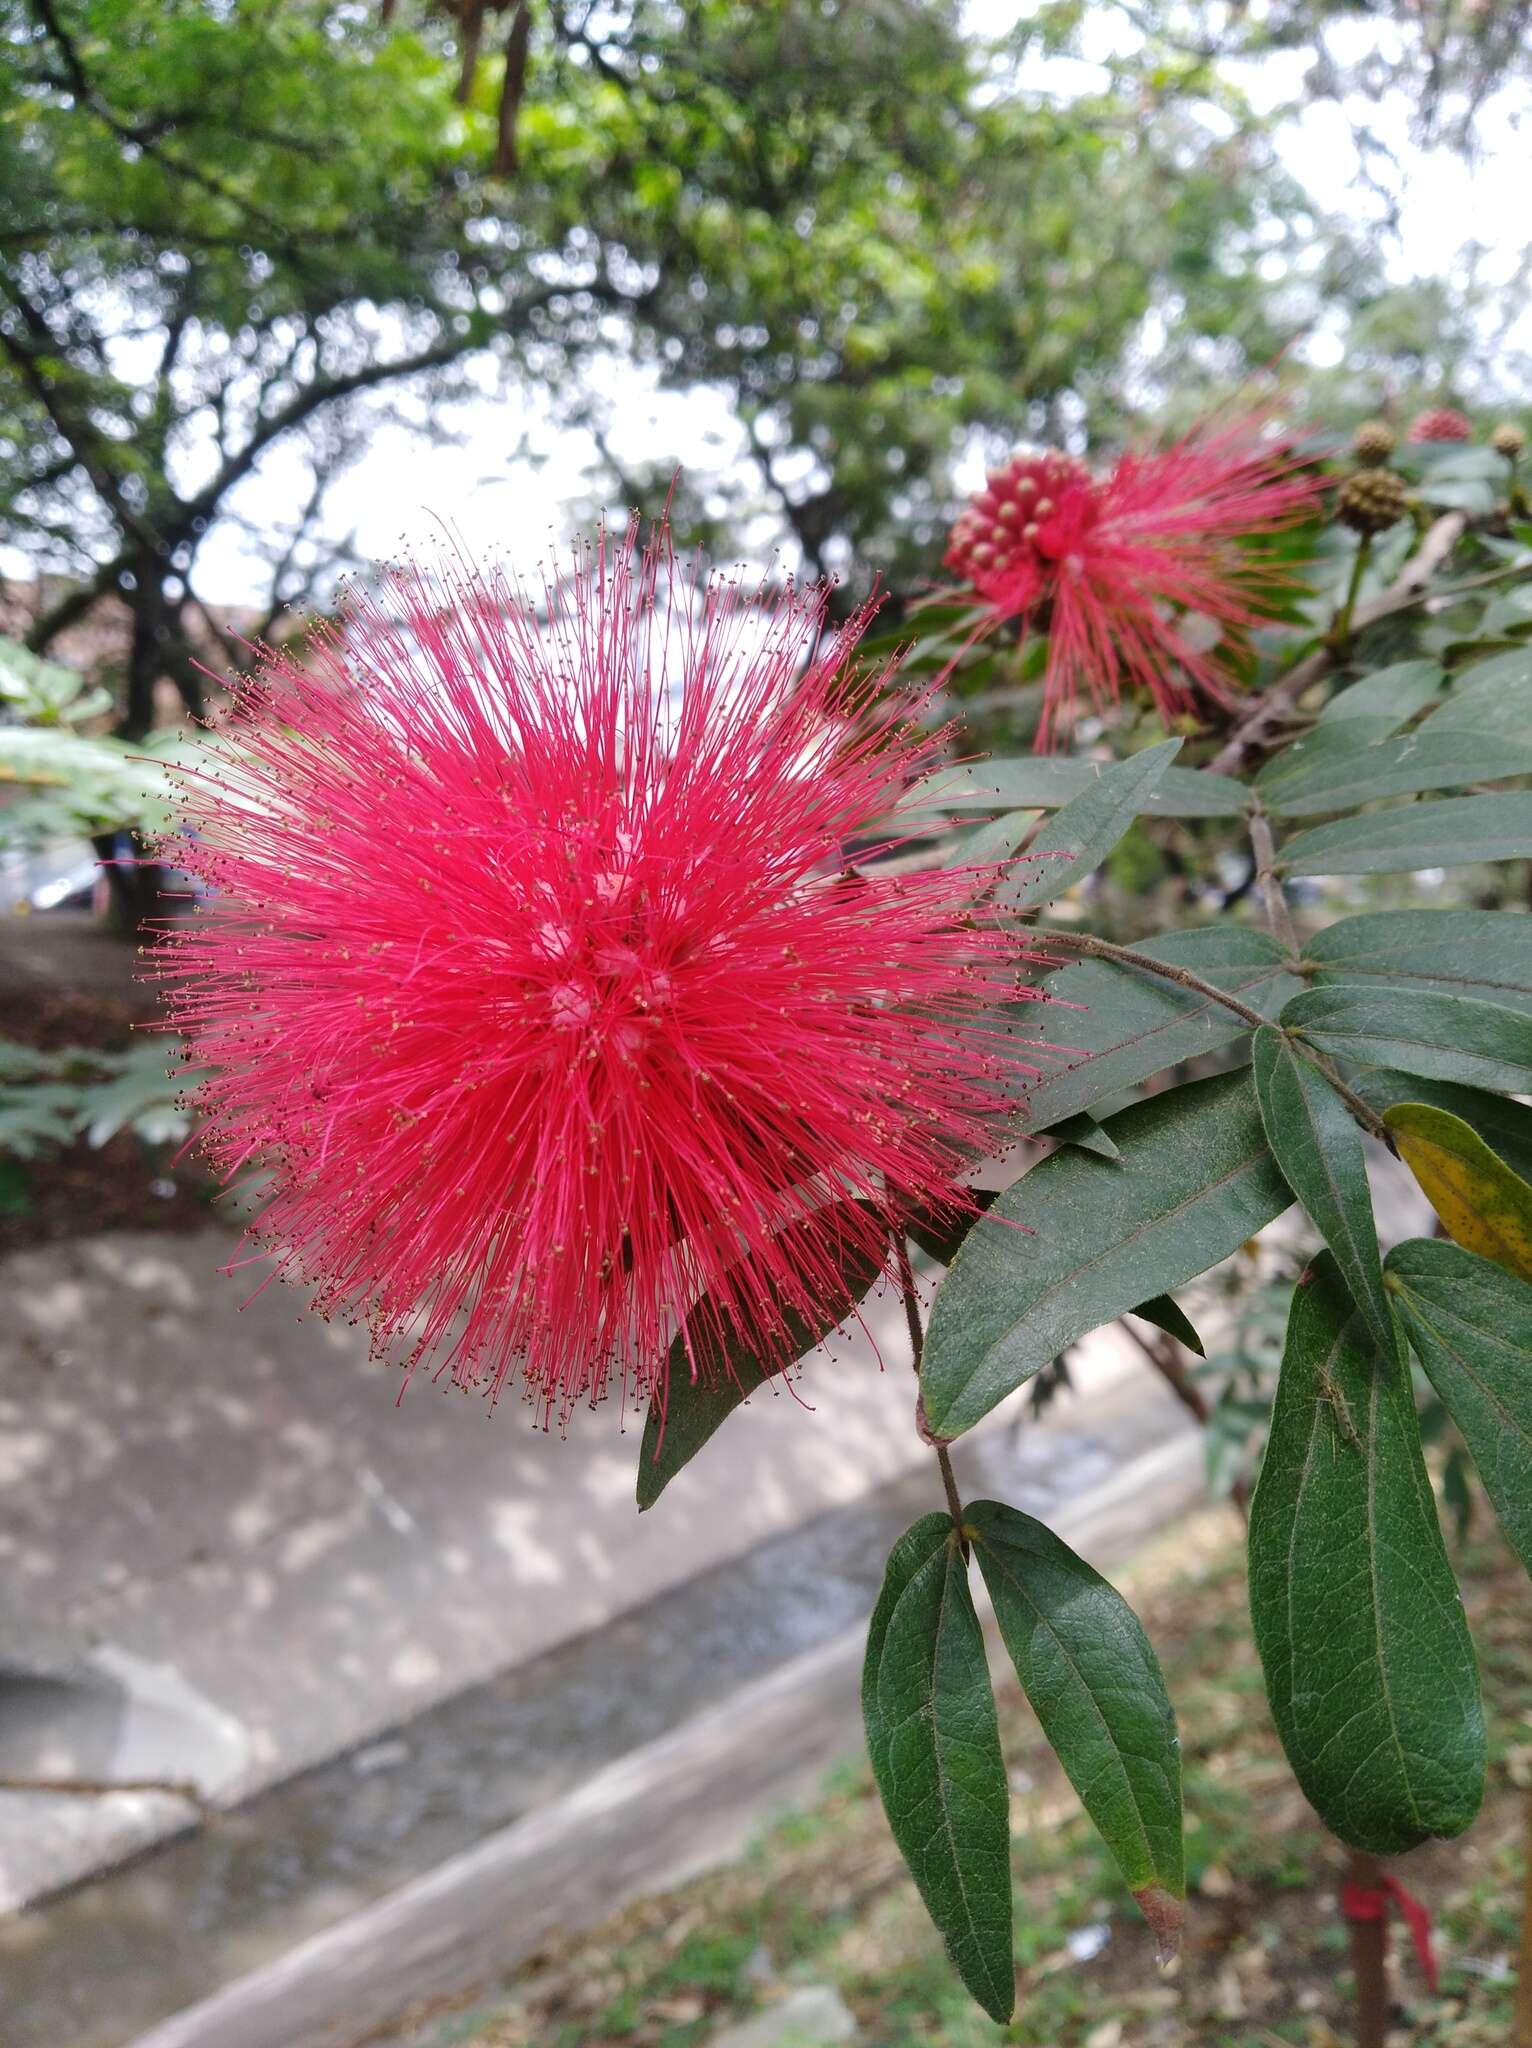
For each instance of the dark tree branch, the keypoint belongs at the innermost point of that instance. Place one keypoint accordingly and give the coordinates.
(518, 44)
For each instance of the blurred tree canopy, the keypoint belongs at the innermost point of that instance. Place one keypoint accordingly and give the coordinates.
(225, 229)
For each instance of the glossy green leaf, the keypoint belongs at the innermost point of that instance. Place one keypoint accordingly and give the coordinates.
(1046, 781)
(1167, 1314)
(934, 1741)
(1470, 1324)
(1390, 695)
(1094, 1683)
(1446, 1038)
(1084, 832)
(1338, 778)
(1503, 1124)
(1369, 1667)
(1126, 1024)
(714, 1367)
(1451, 833)
(1319, 1150)
(1195, 1180)
(1483, 1204)
(1486, 954)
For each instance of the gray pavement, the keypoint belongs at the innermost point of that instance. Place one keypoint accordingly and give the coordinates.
(236, 1556)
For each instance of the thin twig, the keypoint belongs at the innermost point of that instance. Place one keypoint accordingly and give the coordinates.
(1129, 956)
(1251, 738)
(911, 1300)
(1173, 1373)
(917, 1354)
(1369, 1956)
(1164, 1354)
(1339, 636)
(98, 1788)
(1362, 1111)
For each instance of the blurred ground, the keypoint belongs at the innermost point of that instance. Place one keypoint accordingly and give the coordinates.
(824, 1900)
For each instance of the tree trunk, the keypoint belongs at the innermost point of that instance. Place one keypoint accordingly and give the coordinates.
(517, 45)
(146, 651)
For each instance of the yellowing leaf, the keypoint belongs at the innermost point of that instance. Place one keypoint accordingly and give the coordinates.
(1486, 1207)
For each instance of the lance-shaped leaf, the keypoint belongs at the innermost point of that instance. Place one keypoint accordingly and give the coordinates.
(1127, 1023)
(1196, 1178)
(1045, 781)
(1482, 1202)
(1446, 1038)
(1492, 699)
(1470, 1324)
(1167, 1314)
(1096, 1687)
(1084, 832)
(995, 840)
(1338, 778)
(1390, 695)
(1369, 1666)
(714, 1366)
(934, 1741)
(1319, 1150)
(1486, 954)
(1450, 833)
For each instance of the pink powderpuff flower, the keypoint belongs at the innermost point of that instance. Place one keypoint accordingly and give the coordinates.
(536, 974)
(1110, 565)
(1441, 423)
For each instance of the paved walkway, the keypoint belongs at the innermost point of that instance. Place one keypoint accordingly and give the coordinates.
(234, 1556)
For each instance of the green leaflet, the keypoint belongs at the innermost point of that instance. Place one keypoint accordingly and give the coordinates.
(1319, 1150)
(1338, 778)
(995, 840)
(1470, 1324)
(1369, 1666)
(1045, 781)
(1167, 1314)
(1196, 1178)
(935, 1747)
(1451, 833)
(1486, 954)
(713, 1368)
(1491, 700)
(1446, 1038)
(1126, 1024)
(1096, 1687)
(1084, 832)
(1389, 696)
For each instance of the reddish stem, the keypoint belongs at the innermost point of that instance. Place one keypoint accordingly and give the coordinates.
(1369, 1956)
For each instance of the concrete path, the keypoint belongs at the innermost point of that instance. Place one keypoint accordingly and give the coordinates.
(226, 1554)
(675, 1807)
